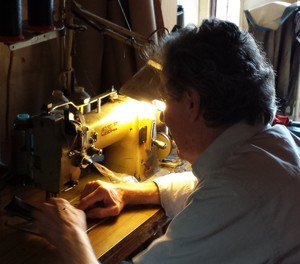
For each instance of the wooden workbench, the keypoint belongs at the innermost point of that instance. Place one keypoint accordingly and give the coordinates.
(113, 240)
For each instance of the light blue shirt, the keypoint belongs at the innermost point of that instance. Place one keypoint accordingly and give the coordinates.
(244, 207)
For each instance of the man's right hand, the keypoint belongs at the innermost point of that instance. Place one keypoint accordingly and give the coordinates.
(101, 199)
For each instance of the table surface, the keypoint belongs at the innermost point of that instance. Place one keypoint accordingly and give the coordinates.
(113, 239)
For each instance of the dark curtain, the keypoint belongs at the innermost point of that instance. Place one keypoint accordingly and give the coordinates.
(282, 48)
(101, 61)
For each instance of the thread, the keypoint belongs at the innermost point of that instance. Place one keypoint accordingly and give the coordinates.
(11, 20)
(40, 15)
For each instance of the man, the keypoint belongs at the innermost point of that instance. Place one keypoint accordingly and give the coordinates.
(243, 204)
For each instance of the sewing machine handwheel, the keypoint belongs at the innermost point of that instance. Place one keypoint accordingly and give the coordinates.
(163, 153)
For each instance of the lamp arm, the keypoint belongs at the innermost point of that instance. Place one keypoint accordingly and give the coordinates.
(120, 33)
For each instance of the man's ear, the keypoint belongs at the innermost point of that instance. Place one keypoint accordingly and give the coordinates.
(193, 103)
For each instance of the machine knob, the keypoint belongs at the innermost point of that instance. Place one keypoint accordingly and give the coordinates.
(160, 144)
(85, 162)
(91, 151)
(93, 138)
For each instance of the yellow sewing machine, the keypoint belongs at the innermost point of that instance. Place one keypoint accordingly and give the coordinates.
(119, 131)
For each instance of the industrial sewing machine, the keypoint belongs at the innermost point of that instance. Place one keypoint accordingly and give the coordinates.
(119, 132)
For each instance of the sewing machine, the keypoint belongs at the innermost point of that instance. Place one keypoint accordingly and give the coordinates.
(120, 132)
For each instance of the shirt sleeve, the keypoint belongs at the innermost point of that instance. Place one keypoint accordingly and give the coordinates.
(174, 190)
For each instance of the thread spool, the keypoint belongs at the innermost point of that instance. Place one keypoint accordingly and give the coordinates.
(11, 20)
(57, 98)
(79, 97)
(40, 15)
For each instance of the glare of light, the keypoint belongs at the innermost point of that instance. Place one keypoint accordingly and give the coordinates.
(154, 65)
(228, 10)
(160, 105)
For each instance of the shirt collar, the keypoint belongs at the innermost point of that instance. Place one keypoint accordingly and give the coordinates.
(221, 148)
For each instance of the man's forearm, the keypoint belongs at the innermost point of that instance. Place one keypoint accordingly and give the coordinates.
(141, 193)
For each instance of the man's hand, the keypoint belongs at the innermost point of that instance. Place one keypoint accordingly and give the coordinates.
(101, 199)
(59, 216)
(64, 226)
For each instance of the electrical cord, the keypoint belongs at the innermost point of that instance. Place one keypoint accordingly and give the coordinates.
(8, 88)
